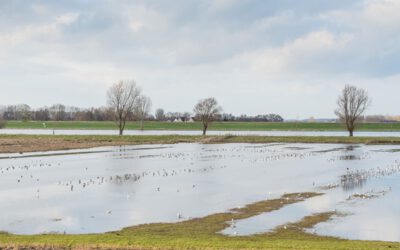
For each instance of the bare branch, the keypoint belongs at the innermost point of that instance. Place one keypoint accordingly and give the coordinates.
(206, 111)
(142, 109)
(352, 103)
(122, 98)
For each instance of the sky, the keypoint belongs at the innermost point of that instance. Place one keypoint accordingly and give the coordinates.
(255, 56)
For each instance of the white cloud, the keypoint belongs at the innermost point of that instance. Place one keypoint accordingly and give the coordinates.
(136, 25)
(66, 19)
(256, 51)
(304, 54)
(37, 31)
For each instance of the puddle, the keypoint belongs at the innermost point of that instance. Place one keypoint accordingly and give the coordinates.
(267, 222)
(108, 188)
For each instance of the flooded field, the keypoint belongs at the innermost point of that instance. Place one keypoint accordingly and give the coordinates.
(194, 132)
(104, 189)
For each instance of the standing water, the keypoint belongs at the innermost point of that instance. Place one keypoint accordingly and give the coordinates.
(104, 189)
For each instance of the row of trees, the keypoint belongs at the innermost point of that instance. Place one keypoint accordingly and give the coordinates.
(60, 112)
(125, 102)
(57, 112)
(257, 118)
(123, 97)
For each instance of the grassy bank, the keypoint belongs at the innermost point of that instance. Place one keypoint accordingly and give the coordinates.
(31, 143)
(230, 126)
(203, 233)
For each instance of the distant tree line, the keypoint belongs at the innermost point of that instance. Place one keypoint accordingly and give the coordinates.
(60, 112)
(56, 112)
(379, 118)
(256, 118)
(125, 102)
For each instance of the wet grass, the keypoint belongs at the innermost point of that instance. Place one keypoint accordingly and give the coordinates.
(220, 126)
(33, 143)
(202, 233)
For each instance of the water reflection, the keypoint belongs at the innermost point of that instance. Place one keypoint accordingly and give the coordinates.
(105, 189)
(357, 178)
(352, 181)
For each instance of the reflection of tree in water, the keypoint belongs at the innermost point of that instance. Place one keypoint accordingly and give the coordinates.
(358, 178)
(350, 147)
(351, 181)
(349, 157)
(122, 179)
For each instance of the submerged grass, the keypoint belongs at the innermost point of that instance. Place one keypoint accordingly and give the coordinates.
(202, 233)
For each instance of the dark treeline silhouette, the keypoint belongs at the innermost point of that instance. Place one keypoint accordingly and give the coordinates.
(60, 112)
(257, 118)
(56, 112)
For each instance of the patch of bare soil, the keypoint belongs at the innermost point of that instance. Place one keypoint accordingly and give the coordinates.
(22, 145)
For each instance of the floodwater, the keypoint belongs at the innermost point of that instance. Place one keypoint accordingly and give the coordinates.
(193, 132)
(105, 189)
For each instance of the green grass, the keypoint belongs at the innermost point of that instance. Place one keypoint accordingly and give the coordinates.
(202, 233)
(230, 126)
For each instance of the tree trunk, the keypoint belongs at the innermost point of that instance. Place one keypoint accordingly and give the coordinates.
(121, 131)
(350, 133)
(204, 129)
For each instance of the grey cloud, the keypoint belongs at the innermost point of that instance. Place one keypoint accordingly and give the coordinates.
(265, 48)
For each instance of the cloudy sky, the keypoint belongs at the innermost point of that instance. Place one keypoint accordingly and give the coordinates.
(255, 56)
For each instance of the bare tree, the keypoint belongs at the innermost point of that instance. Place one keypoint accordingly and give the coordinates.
(57, 112)
(121, 98)
(160, 115)
(206, 110)
(23, 112)
(142, 109)
(352, 103)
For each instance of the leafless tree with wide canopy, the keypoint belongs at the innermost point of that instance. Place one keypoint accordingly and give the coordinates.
(352, 103)
(143, 107)
(206, 110)
(122, 98)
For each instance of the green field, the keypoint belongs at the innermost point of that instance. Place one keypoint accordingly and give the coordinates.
(229, 126)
